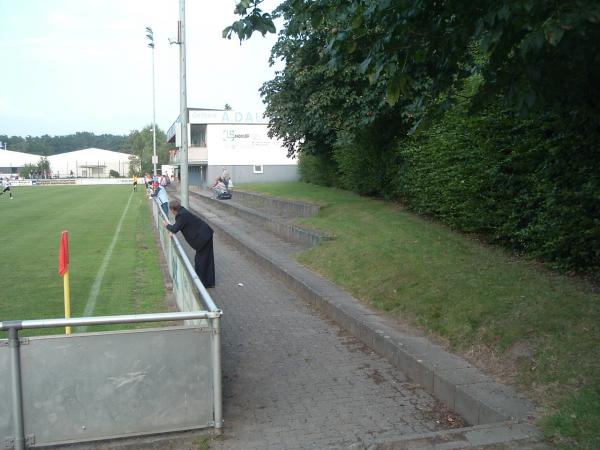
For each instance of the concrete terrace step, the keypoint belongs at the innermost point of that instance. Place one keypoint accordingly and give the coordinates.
(276, 206)
(270, 221)
(480, 400)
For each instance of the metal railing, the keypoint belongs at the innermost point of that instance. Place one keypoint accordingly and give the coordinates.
(14, 344)
(172, 246)
(205, 297)
(204, 315)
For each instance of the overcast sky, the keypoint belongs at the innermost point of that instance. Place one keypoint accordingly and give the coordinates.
(83, 65)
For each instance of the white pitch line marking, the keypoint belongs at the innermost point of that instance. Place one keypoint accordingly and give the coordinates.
(95, 291)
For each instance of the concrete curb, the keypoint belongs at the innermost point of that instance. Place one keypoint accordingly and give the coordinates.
(476, 397)
(497, 435)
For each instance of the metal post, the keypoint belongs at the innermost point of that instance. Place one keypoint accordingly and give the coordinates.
(183, 110)
(17, 391)
(216, 354)
(153, 117)
(150, 36)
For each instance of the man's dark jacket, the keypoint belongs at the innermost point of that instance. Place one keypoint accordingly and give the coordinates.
(196, 232)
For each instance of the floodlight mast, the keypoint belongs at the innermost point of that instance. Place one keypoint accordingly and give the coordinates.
(183, 110)
(150, 36)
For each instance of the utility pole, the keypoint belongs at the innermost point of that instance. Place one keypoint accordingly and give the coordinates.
(150, 36)
(183, 110)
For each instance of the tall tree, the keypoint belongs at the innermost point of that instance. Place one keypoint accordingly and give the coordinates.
(534, 54)
(311, 101)
(140, 145)
(40, 170)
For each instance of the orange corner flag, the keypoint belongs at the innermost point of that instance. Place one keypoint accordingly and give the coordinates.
(63, 254)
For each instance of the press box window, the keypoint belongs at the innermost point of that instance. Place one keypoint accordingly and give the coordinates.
(198, 135)
(258, 169)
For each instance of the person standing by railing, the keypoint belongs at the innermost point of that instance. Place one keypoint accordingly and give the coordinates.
(199, 235)
(161, 194)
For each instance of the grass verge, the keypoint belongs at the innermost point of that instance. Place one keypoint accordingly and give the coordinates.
(540, 330)
(31, 288)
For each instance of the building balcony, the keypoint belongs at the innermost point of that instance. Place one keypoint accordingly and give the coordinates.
(196, 155)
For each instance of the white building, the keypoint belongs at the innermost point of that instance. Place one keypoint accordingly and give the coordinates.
(238, 141)
(12, 162)
(89, 163)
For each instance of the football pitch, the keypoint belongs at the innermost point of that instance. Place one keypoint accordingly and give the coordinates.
(114, 261)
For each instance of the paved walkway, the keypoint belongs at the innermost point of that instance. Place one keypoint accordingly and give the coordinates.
(293, 379)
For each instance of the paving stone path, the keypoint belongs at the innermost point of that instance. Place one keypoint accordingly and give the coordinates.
(292, 379)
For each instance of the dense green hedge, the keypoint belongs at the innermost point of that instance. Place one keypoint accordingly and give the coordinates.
(366, 161)
(532, 185)
(317, 169)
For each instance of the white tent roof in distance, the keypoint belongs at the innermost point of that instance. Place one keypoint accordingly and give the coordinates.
(89, 154)
(8, 158)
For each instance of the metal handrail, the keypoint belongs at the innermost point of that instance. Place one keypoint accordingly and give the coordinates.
(105, 320)
(216, 323)
(14, 326)
(204, 295)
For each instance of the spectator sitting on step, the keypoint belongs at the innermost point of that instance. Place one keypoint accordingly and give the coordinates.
(225, 177)
(219, 186)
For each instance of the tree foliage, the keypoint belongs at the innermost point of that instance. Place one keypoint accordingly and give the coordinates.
(253, 19)
(39, 170)
(529, 184)
(532, 52)
(483, 114)
(52, 145)
(311, 101)
(140, 145)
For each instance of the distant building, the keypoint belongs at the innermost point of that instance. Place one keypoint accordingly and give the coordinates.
(86, 163)
(11, 162)
(89, 163)
(237, 141)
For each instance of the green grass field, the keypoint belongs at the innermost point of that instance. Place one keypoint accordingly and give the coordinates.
(538, 329)
(32, 223)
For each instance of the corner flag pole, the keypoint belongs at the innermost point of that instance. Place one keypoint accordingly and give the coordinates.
(63, 271)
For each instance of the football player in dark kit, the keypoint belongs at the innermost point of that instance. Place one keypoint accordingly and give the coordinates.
(199, 235)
